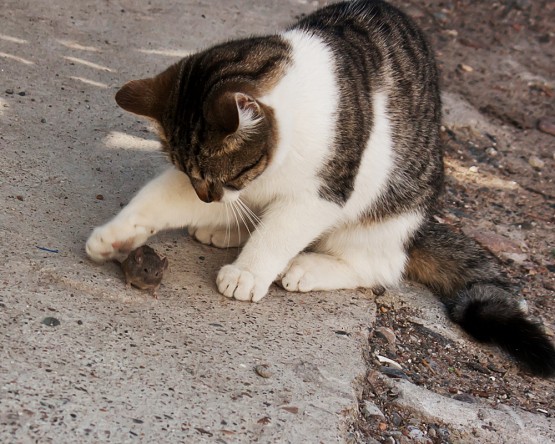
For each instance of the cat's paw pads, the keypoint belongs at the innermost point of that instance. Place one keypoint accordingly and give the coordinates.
(219, 237)
(242, 285)
(298, 278)
(304, 273)
(113, 241)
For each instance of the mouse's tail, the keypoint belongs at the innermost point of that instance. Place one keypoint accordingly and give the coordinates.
(469, 282)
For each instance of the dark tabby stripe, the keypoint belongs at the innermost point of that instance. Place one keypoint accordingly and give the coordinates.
(374, 44)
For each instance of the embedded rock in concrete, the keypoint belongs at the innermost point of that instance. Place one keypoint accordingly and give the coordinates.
(474, 422)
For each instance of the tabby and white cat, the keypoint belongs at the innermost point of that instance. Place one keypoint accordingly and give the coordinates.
(324, 139)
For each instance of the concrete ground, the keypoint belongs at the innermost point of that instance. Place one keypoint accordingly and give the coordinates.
(121, 366)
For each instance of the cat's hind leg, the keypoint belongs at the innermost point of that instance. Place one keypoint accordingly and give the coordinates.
(354, 255)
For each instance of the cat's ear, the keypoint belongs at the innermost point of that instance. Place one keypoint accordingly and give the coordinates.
(148, 97)
(249, 113)
(234, 112)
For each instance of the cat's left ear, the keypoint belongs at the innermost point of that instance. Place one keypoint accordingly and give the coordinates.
(234, 112)
(249, 112)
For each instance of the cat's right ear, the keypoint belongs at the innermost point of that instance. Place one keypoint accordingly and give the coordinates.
(148, 97)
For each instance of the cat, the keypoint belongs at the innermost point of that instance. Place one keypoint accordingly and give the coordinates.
(323, 142)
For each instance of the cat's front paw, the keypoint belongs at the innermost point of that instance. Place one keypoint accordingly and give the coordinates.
(115, 240)
(242, 285)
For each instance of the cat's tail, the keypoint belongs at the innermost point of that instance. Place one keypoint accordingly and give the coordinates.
(469, 282)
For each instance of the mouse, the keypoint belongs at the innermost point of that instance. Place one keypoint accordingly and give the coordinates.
(144, 269)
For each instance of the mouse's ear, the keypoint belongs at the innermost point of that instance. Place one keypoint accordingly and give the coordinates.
(165, 263)
(139, 256)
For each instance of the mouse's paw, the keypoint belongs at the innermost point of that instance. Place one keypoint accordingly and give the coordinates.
(240, 284)
(116, 239)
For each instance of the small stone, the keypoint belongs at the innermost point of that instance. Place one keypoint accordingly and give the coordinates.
(51, 322)
(536, 162)
(99, 197)
(491, 151)
(387, 334)
(382, 426)
(415, 433)
(396, 419)
(19, 197)
(9, 91)
(441, 17)
(465, 67)
(371, 411)
(263, 371)
(473, 169)
(545, 125)
(393, 373)
(43, 120)
(22, 93)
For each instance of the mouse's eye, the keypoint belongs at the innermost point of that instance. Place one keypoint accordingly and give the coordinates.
(157, 273)
(146, 270)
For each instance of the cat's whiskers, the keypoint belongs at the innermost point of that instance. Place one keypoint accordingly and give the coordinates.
(227, 226)
(241, 216)
(253, 217)
(234, 211)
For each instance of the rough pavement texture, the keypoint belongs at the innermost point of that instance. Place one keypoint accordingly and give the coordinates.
(121, 366)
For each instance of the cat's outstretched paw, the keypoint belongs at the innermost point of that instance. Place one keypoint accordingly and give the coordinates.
(242, 285)
(227, 237)
(115, 240)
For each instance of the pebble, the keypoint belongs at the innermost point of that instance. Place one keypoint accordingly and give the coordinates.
(536, 162)
(387, 334)
(491, 151)
(263, 371)
(473, 169)
(9, 91)
(22, 93)
(545, 125)
(466, 68)
(441, 17)
(43, 120)
(396, 419)
(371, 410)
(99, 197)
(415, 433)
(51, 322)
(393, 373)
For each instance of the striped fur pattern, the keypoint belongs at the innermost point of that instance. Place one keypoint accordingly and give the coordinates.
(318, 150)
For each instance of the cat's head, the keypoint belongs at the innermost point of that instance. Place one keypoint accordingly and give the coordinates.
(214, 130)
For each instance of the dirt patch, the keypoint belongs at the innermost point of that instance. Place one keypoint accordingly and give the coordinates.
(496, 62)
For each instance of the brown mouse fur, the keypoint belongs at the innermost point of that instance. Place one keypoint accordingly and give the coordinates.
(144, 269)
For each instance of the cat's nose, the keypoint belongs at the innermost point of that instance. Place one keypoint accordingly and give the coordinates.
(206, 191)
